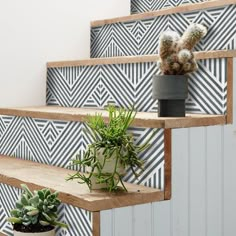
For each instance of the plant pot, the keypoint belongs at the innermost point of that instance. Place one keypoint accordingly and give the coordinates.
(47, 233)
(171, 92)
(108, 167)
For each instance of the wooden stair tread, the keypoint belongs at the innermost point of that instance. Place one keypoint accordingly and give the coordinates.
(142, 119)
(137, 59)
(15, 171)
(165, 11)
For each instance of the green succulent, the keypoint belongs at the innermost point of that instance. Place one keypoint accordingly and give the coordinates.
(39, 207)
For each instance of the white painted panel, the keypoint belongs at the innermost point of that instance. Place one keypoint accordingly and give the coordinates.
(142, 220)
(106, 222)
(229, 190)
(161, 218)
(214, 172)
(197, 186)
(180, 181)
(122, 221)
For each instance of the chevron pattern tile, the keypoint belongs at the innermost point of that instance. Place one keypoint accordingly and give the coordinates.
(140, 6)
(79, 220)
(141, 37)
(128, 84)
(57, 142)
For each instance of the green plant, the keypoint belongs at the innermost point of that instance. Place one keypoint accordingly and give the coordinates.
(112, 140)
(176, 56)
(35, 208)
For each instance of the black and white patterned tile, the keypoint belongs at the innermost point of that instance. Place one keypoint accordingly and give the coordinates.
(131, 84)
(140, 6)
(141, 37)
(57, 142)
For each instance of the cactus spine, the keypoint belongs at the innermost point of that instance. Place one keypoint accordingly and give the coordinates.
(176, 56)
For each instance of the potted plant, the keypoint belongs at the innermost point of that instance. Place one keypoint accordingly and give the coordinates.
(176, 60)
(111, 153)
(35, 213)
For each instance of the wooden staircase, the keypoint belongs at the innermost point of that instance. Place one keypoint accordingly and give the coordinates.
(37, 143)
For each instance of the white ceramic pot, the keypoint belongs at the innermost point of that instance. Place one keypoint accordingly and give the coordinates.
(107, 168)
(48, 233)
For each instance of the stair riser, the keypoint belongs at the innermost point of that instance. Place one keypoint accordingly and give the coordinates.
(140, 6)
(57, 142)
(141, 37)
(78, 220)
(128, 84)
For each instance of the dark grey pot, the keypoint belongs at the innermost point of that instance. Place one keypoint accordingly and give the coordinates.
(171, 92)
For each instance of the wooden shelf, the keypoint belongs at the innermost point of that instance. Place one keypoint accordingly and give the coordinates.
(2, 234)
(137, 59)
(15, 171)
(143, 119)
(165, 11)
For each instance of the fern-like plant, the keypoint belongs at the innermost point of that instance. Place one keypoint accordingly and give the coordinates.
(112, 141)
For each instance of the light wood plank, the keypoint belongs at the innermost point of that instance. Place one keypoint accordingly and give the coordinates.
(165, 11)
(143, 119)
(168, 165)
(2, 234)
(96, 223)
(228, 163)
(137, 59)
(229, 117)
(15, 171)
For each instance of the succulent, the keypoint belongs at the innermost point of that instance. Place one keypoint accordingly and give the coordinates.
(176, 56)
(39, 207)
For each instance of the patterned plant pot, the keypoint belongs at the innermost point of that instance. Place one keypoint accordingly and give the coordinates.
(171, 92)
(47, 233)
(108, 167)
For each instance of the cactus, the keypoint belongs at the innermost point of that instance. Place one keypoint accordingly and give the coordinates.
(176, 56)
(39, 207)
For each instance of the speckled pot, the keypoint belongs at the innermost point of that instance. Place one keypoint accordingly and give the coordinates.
(108, 168)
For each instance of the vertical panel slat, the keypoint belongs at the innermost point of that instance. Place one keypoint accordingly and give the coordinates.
(123, 224)
(142, 220)
(106, 223)
(161, 219)
(213, 181)
(197, 182)
(180, 178)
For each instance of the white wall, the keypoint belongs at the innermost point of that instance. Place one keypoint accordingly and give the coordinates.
(33, 32)
(203, 189)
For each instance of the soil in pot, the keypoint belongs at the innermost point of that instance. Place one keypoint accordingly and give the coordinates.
(32, 228)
